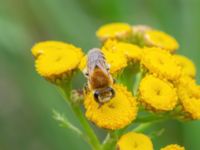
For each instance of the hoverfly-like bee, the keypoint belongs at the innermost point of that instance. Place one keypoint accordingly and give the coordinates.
(99, 79)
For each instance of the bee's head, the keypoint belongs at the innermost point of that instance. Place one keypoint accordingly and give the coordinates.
(104, 95)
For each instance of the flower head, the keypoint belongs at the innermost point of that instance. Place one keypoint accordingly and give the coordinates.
(160, 39)
(114, 30)
(44, 47)
(189, 95)
(58, 64)
(131, 51)
(134, 141)
(187, 66)
(157, 94)
(173, 147)
(160, 63)
(115, 114)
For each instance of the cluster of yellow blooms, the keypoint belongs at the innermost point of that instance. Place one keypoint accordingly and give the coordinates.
(167, 82)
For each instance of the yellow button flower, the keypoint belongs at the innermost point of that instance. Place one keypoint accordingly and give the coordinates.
(157, 94)
(83, 62)
(160, 39)
(131, 51)
(115, 114)
(187, 66)
(58, 64)
(189, 95)
(114, 30)
(173, 147)
(160, 63)
(117, 61)
(134, 141)
(43, 47)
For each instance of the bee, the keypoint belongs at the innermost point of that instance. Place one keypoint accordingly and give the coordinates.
(99, 79)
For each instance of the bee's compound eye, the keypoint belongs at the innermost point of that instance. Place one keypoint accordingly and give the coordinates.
(96, 96)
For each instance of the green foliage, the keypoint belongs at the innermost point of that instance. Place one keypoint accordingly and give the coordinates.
(26, 101)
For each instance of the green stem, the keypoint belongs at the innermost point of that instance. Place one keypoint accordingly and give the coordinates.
(142, 127)
(110, 141)
(92, 138)
(65, 123)
(147, 122)
(149, 118)
(139, 76)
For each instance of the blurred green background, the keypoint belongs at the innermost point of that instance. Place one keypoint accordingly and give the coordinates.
(27, 100)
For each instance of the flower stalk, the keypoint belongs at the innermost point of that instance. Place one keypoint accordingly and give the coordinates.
(91, 136)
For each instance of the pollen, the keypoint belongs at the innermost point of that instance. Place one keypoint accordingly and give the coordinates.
(134, 141)
(57, 64)
(157, 94)
(44, 47)
(114, 31)
(120, 111)
(162, 40)
(189, 95)
(173, 147)
(160, 63)
(187, 66)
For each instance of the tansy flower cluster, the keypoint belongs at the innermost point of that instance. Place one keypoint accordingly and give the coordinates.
(148, 77)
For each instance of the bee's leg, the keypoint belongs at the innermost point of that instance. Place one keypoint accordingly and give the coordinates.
(100, 104)
(85, 88)
(85, 72)
(77, 95)
(108, 67)
(114, 80)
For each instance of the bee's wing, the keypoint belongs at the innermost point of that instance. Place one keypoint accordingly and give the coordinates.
(102, 65)
(96, 59)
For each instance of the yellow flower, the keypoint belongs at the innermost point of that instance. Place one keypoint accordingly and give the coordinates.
(131, 51)
(173, 147)
(114, 30)
(58, 64)
(189, 95)
(187, 66)
(115, 114)
(82, 63)
(160, 39)
(160, 63)
(117, 61)
(43, 47)
(134, 141)
(157, 94)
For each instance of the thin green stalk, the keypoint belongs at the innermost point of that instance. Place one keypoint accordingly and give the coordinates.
(110, 141)
(65, 123)
(139, 76)
(143, 126)
(148, 122)
(149, 118)
(92, 138)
